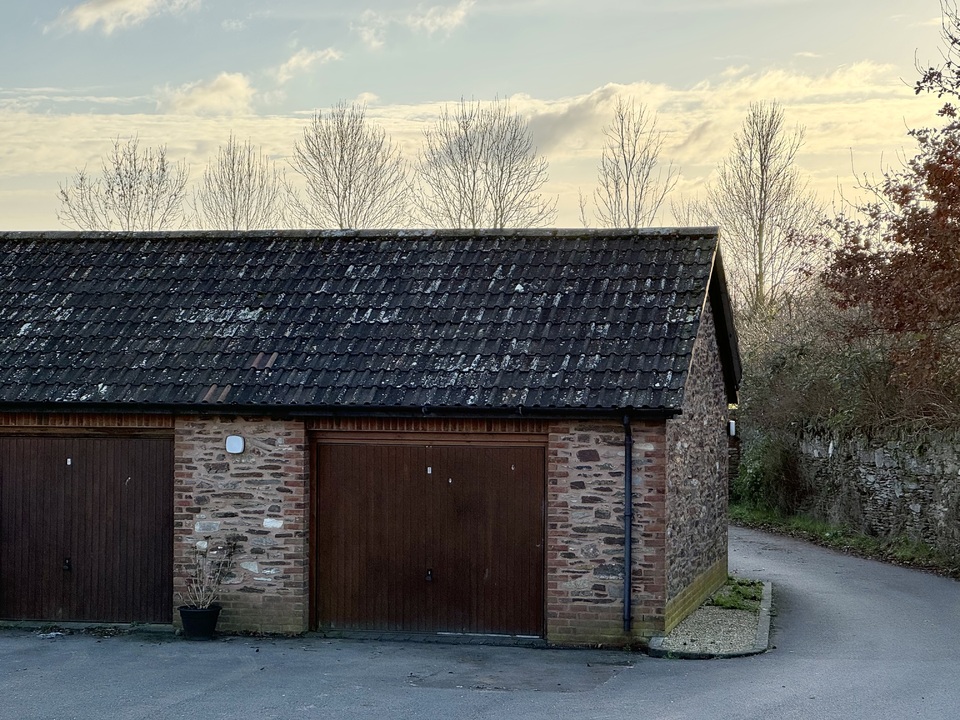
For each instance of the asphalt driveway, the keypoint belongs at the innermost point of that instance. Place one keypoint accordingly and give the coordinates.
(853, 639)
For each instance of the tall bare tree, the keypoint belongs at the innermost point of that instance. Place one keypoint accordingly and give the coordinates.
(631, 184)
(241, 189)
(478, 168)
(355, 176)
(762, 207)
(138, 189)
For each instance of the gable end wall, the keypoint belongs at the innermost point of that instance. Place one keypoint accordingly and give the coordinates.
(697, 486)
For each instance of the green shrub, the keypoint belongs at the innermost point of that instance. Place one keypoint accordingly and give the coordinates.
(769, 476)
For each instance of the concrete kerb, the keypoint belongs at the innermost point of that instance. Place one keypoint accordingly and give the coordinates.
(761, 641)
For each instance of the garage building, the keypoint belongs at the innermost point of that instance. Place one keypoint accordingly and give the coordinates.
(429, 431)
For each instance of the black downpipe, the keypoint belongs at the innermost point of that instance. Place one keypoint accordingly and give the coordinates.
(627, 523)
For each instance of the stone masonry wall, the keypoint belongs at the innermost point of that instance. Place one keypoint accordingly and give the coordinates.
(260, 497)
(890, 484)
(697, 484)
(585, 539)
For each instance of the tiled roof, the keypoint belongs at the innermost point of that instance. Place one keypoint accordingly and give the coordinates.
(350, 320)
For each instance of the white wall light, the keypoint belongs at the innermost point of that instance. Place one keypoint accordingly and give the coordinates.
(234, 444)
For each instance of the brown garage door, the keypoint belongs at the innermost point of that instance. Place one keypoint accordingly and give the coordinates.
(86, 528)
(430, 538)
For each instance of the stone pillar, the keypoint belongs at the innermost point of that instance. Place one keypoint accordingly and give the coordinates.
(585, 538)
(260, 498)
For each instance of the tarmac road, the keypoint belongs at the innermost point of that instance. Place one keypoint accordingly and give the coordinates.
(853, 639)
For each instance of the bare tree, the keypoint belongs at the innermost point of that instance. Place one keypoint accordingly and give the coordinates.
(137, 190)
(693, 211)
(355, 176)
(631, 185)
(241, 189)
(762, 207)
(478, 168)
(945, 78)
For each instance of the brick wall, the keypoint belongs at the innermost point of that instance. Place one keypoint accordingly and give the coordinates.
(696, 497)
(585, 539)
(259, 496)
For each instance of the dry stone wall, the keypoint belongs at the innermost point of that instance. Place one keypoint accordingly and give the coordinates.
(889, 484)
(258, 497)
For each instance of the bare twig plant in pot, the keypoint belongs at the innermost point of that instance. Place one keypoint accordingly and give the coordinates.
(210, 564)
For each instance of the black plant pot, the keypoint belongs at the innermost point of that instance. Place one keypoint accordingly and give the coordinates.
(199, 623)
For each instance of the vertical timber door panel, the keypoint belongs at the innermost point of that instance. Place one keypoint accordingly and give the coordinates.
(92, 520)
(491, 536)
(436, 538)
(369, 539)
(32, 535)
(124, 558)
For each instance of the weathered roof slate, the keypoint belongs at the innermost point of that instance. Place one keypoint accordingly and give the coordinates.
(548, 320)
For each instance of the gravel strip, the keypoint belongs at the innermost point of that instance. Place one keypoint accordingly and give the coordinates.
(714, 630)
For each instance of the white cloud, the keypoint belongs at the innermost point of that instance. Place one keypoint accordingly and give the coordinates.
(806, 54)
(227, 94)
(568, 122)
(366, 98)
(734, 71)
(372, 29)
(439, 18)
(239, 24)
(372, 26)
(117, 14)
(46, 99)
(303, 60)
(932, 22)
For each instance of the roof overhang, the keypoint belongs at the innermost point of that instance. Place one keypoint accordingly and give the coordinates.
(728, 343)
(299, 411)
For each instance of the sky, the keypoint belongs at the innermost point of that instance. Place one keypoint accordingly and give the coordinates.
(185, 74)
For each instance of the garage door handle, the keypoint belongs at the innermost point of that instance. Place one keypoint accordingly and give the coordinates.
(66, 565)
(430, 575)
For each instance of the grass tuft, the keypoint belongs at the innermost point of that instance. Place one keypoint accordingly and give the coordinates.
(738, 594)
